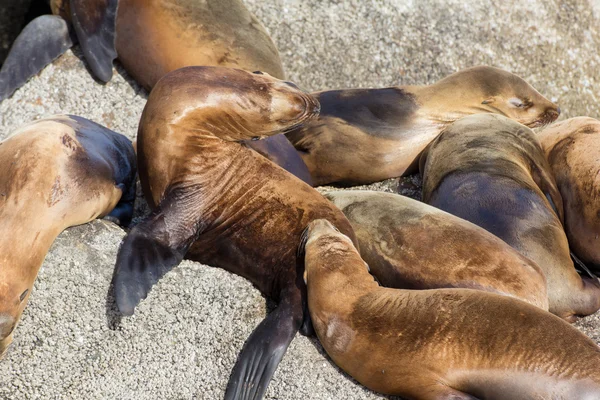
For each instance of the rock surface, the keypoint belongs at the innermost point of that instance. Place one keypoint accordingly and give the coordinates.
(184, 339)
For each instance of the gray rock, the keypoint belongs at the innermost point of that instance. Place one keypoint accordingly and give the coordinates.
(184, 339)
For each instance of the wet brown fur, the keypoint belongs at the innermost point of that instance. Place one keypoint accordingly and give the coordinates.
(573, 151)
(368, 135)
(48, 182)
(491, 171)
(440, 344)
(155, 37)
(242, 212)
(410, 245)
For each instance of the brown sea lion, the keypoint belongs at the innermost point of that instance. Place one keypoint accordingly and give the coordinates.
(152, 38)
(217, 202)
(440, 344)
(411, 245)
(368, 135)
(491, 171)
(54, 173)
(572, 148)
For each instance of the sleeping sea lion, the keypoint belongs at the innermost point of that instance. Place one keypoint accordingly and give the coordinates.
(217, 202)
(411, 245)
(151, 38)
(440, 344)
(55, 173)
(572, 148)
(368, 135)
(491, 171)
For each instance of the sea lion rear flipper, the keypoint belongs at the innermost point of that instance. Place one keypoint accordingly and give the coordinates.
(263, 351)
(95, 24)
(41, 42)
(144, 257)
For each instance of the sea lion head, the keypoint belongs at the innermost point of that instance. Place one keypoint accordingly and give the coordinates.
(12, 304)
(488, 89)
(236, 105)
(325, 238)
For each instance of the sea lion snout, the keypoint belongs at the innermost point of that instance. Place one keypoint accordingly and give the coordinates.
(292, 106)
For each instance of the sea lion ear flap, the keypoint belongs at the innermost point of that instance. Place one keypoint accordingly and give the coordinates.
(95, 24)
(547, 184)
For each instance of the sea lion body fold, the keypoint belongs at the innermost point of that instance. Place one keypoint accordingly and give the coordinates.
(491, 171)
(411, 245)
(573, 151)
(55, 173)
(366, 135)
(220, 203)
(440, 344)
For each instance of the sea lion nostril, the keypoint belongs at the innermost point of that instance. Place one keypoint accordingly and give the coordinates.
(558, 110)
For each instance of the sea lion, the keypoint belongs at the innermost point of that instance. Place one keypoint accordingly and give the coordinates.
(55, 173)
(491, 171)
(411, 245)
(217, 202)
(368, 135)
(459, 344)
(152, 38)
(572, 148)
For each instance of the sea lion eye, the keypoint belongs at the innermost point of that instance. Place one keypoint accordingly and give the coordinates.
(520, 103)
(255, 138)
(23, 295)
(258, 73)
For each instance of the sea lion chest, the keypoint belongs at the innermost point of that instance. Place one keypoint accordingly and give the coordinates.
(253, 228)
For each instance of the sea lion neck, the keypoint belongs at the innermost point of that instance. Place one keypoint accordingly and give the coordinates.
(441, 103)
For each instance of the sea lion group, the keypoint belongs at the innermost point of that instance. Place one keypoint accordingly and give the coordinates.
(466, 295)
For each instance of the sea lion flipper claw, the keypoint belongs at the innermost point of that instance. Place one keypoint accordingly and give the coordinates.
(42, 41)
(262, 353)
(142, 260)
(95, 24)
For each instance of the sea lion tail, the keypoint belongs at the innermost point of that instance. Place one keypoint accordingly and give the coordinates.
(263, 351)
(42, 41)
(142, 260)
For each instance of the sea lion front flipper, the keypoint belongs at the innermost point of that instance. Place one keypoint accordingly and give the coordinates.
(148, 252)
(42, 41)
(95, 24)
(263, 351)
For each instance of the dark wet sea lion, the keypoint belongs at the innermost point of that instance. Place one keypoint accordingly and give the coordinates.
(572, 148)
(368, 135)
(55, 173)
(440, 344)
(491, 171)
(411, 245)
(217, 202)
(152, 38)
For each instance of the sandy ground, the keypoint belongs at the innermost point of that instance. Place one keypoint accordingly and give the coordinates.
(184, 339)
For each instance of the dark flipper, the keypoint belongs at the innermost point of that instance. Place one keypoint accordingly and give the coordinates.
(150, 250)
(42, 41)
(583, 267)
(263, 351)
(95, 24)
